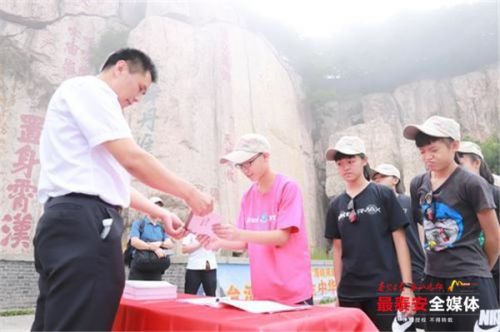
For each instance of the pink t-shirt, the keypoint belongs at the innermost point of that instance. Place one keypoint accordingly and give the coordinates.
(281, 274)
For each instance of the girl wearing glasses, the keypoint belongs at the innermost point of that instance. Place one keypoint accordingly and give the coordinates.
(367, 225)
(271, 227)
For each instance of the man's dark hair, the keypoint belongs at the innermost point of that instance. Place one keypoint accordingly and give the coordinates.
(422, 140)
(137, 61)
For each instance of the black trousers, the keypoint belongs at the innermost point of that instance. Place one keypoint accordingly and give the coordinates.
(81, 276)
(135, 274)
(195, 278)
(482, 314)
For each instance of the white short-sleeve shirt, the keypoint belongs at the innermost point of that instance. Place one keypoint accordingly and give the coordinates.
(83, 113)
(197, 259)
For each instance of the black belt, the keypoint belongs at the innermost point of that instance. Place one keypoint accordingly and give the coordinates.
(53, 200)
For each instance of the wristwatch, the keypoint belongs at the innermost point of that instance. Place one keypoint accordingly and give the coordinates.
(409, 285)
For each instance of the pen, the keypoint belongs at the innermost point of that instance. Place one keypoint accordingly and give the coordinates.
(106, 223)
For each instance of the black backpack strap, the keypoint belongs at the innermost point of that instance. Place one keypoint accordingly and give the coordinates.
(141, 227)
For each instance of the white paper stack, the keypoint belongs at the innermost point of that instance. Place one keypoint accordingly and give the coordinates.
(149, 290)
(261, 307)
(256, 307)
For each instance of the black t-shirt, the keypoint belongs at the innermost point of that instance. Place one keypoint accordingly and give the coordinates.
(413, 240)
(496, 199)
(368, 252)
(450, 223)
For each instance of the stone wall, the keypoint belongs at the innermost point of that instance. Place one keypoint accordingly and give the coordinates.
(379, 119)
(19, 282)
(217, 81)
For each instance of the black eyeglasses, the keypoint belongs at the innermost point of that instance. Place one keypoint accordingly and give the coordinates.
(248, 163)
(427, 202)
(352, 211)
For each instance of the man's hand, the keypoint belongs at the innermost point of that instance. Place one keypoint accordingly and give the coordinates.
(207, 242)
(153, 245)
(160, 253)
(226, 231)
(408, 293)
(174, 227)
(200, 203)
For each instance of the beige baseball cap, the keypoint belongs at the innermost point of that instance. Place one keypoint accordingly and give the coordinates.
(387, 170)
(156, 200)
(248, 146)
(349, 145)
(435, 126)
(470, 147)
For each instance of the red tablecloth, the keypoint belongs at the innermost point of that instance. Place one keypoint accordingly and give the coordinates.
(177, 316)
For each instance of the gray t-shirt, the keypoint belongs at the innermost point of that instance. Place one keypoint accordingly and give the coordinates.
(450, 223)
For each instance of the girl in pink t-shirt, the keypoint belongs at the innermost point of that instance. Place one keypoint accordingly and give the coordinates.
(271, 226)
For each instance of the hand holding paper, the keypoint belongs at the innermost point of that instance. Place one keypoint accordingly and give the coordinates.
(202, 225)
(226, 231)
(208, 243)
(173, 225)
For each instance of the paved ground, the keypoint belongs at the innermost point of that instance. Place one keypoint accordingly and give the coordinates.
(16, 323)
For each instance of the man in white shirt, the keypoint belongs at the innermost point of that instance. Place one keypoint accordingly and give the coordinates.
(87, 158)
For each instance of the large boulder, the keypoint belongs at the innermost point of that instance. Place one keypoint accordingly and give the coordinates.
(217, 81)
(471, 99)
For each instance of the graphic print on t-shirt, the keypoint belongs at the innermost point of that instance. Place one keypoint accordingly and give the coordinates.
(264, 218)
(371, 209)
(443, 226)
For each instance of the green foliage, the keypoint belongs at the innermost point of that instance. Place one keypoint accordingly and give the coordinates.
(110, 41)
(491, 152)
(17, 312)
(327, 300)
(320, 96)
(320, 254)
(13, 60)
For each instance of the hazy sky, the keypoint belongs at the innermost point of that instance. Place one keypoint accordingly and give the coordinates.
(324, 18)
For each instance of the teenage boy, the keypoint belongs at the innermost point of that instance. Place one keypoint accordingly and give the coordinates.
(271, 226)
(454, 205)
(367, 226)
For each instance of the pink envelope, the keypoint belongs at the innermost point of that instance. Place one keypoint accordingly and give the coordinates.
(202, 225)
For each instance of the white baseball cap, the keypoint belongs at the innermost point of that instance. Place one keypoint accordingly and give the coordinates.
(387, 170)
(348, 145)
(435, 126)
(470, 147)
(248, 146)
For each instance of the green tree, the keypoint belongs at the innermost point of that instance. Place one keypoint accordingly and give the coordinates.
(491, 152)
